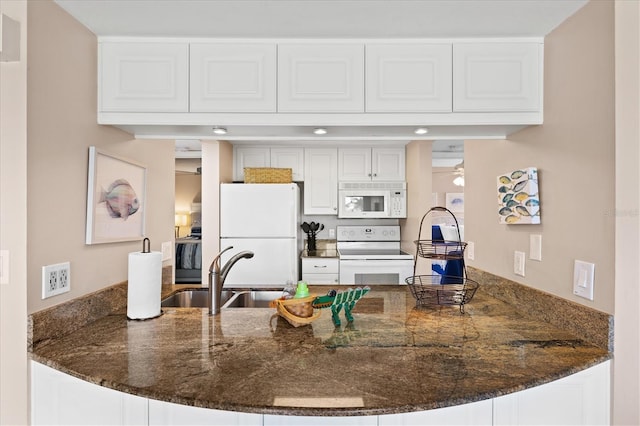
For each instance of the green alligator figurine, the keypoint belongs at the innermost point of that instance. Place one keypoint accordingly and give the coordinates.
(338, 300)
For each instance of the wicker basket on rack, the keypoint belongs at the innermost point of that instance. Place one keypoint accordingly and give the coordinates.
(267, 175)
(440, 250)
(297, 312)
(442, 290)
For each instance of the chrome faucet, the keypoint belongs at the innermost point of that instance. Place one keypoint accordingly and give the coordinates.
(217, 276)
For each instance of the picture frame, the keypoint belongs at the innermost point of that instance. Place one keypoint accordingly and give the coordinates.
(116, 195)
(455, 202)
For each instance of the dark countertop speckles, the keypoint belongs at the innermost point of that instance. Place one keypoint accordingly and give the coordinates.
(393, 358)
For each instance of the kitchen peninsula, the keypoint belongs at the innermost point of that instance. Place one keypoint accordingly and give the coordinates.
(394, 358)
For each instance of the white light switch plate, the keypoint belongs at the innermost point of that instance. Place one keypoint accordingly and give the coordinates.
(535, 247)
(471, 250)
(583, 279)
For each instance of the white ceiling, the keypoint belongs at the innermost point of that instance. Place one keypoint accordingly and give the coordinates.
(370, 19)
(322, 19)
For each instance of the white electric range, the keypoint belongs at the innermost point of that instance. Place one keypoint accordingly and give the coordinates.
(371, 255)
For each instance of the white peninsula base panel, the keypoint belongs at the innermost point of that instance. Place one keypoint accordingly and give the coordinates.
(580, 399)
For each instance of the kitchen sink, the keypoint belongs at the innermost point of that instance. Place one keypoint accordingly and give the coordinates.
(193, 298)
(252, 299)
(198, 298)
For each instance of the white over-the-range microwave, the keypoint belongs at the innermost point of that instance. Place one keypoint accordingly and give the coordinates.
(372, 200)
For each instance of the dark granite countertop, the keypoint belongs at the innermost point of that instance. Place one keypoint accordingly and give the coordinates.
(395, 357)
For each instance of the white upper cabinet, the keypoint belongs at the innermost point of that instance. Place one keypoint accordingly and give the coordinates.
(321, 181)
(497, 77)
(143, 77)
(371, 164)
(234, 77)
(279, 157)
(289, 157)
(407, 77)
(321, 78)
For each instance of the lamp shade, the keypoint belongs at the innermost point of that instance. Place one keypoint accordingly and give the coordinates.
(181, 220)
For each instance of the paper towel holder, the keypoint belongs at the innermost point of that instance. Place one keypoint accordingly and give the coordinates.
(146, 245)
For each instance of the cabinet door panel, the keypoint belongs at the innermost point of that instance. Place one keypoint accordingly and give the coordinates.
(233, 78)
(408, 78)
(497, 77)
(321, 78)
(321, 181)
(579, 399)
(249, 157)
(354, 164)
(144, 77)
(476, 413)
(292, 158)
(270, 420)
(60, 399)
(388, 164)
(166, 413)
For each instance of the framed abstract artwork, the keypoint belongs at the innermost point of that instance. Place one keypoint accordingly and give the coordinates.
(518, 197)
(115, 198)
(455, 201)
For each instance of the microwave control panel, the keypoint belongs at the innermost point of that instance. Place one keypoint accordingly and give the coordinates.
(398, 201)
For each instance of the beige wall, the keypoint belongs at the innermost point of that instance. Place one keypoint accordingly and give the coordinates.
(13, 227)
(626, 377)
(574, 153)
(217, 167)
(61, 102)
(419, 189)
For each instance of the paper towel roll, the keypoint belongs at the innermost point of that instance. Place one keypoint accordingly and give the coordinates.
(145, 285)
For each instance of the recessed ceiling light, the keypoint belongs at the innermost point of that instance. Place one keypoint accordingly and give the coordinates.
(319, 131)
(220, 130)
(421, 131)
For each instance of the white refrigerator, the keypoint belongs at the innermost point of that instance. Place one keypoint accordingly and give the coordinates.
(265, 219)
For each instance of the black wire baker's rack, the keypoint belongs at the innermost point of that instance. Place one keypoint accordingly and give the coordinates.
(441, 289)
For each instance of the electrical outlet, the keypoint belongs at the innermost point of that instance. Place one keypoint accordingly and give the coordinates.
(332, 233)
(56, 279)
(518, 263)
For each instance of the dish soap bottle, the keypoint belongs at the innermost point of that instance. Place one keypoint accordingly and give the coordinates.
(302, 290)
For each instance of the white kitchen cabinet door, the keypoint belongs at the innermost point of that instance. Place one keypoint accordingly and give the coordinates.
(388, 164)
(321, 78)
(143, 77)
(60, 399)
(354, 164)
(292, 158)
(249, 156)
(233, 77)
(408, 77)
(371, 164)
(166, 413)
(270, 420)
(580, 399)
(497, 77)
(321, 181)
(473, 414)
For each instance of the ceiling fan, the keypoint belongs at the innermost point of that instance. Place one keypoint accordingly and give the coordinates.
(457, 172)
(196, 172)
